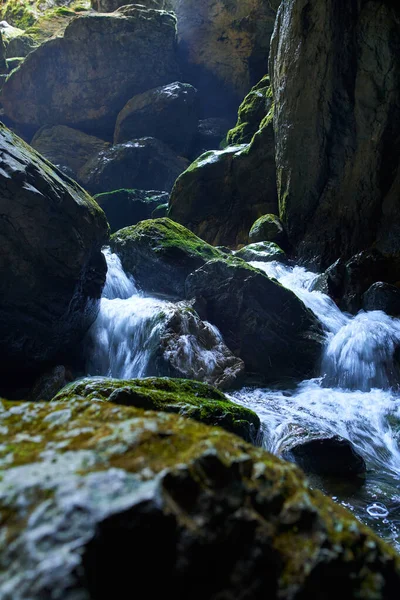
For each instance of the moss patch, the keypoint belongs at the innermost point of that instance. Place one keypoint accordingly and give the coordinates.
(191, 399)
(252, 112)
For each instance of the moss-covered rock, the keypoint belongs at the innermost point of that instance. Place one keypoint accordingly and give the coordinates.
(67, 147)
(127, 207)
(268, 228)
(83, 480)
(262, 251)
(3, 64)
(190, 399)
(223, 192)
(262, 322)
(51, 234)
(145, 163)
(160, 254)
(169, 113)
(80, 79)
(254, 108)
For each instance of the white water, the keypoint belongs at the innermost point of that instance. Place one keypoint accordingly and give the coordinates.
(354, 397)
(125, 340)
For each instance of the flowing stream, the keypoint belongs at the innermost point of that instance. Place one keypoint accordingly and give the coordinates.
(355, 397)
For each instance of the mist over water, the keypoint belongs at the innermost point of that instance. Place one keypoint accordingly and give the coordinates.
(356, 395)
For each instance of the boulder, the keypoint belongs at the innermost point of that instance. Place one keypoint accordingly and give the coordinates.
(210, 134)
(262, 322)
(127, 207)
(160, 254)
(337, 147)
(190, 399)
(67, 147)
(268, 228)
(3, 64)
(144, 164)
(52, 269)
(382, 296)
(325, 455)
(254, 108)
(169, 113)
(84, 480)
(223, 192)
(262, 251)
(20, 46)
(86, 68)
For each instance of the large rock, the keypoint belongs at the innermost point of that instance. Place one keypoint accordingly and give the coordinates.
(160, 254)
(169, 113)
(127, 207)
(3, 64)
(67, 147)
(223, 192)
(100, 501)
(254, 108)
(81, 79)
(189, 399)
(51, 233)
(261, 321)
(145, 163)
(335, 73)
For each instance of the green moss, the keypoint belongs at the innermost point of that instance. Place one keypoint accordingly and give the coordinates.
(188, 398)
(167, 238)
(253, 110)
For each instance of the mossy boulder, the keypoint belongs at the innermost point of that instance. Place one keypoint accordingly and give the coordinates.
(83, 480)
(268, 228)
(127, 207)
(262, 322)
(262, 252)
(160, 254)
(223, 192)
(67, 147)
(80, 79)
(169, 113)
(189, 399)
(254, 108)
(52, 269)
(20, 46)
(145, 163)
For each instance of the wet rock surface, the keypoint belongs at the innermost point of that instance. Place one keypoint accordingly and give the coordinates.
(160, 254)
(52, 269)
(259, 319)
(95, 478)
(169, 113)
(145, 163)
(127, 207)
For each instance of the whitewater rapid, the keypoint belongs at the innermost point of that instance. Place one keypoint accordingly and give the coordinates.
(356, 395)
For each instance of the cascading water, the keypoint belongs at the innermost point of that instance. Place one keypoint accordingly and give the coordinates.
(354, 397)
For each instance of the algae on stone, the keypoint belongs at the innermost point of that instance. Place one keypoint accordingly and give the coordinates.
(187, 398)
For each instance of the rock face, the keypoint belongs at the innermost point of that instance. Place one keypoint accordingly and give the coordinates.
(268, 228)
(160, 254)
(382, 296)
(144, 164)
(215, 502)
(51, 234)
(3, 64)
(262, 322)
(127, 207)
(254, 108)
(169, 113)
(190, 399)
(330, 456)
(81, 79)
(67, 147)
(223, 192)
(225, 46)
(337, 149)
